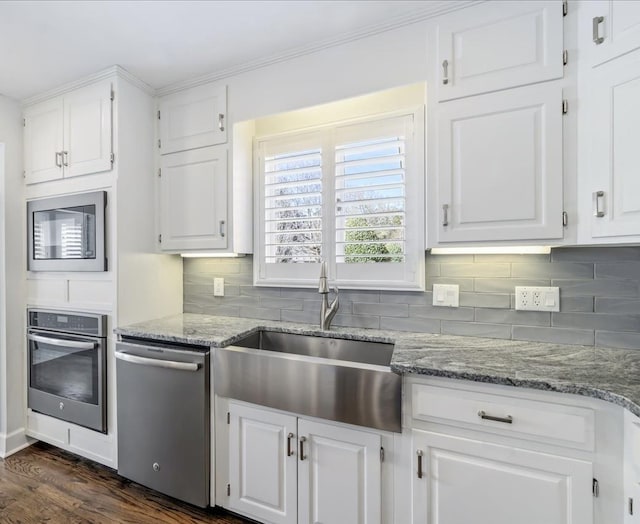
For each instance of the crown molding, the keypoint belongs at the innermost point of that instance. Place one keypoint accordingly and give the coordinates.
(110, 72)
(435, 8)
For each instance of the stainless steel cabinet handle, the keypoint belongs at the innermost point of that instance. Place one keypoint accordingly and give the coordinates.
(445, 215)
(302, 441)
(507, 420)
(65, 158)
(59, 158)
(597, 212)
(222, 223)
(597, 39)
(75, 344)
(289, 450)
(220, 121)
(445, 72)
(420, 454)
(170, 364)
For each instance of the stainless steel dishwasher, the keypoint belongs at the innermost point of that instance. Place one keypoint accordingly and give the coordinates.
(163, 417)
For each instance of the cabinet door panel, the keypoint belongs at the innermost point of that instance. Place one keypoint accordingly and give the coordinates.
(192, 119)
(339, 480)
(619, 28)
(466, 480)
(500, 166)
(43, 133)
(614, 127)
(262, 477)
(193, 192)
(499, 45)
(87, 130)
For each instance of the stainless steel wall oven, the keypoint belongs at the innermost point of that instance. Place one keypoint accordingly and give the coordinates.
(67, 233)
(67, 366)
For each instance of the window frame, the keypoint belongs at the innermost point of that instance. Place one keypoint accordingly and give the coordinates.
(408, 275)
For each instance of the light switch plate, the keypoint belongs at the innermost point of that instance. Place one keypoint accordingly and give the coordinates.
(218, 287)
(446, 295)
(530, 298)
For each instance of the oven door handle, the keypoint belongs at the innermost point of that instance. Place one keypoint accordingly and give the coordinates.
(75, 344)
(171, 364)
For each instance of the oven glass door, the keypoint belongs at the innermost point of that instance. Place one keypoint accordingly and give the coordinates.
(65, 233)
(67, 367)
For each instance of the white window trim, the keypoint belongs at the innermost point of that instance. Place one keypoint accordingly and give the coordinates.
(411, 273)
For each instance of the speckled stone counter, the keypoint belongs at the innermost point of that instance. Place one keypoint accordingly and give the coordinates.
(608, 374)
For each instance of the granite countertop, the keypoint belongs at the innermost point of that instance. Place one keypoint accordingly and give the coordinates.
(608, 374)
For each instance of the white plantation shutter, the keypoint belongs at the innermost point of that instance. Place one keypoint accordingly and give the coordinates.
(293, 206)
(370, 176)
(352, 195)
(71, 240)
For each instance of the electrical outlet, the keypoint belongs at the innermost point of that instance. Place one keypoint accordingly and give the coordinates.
(529, 298)
(446, 295)
(218, 287)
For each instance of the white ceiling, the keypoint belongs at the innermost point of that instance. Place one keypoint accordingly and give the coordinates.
(44, 44)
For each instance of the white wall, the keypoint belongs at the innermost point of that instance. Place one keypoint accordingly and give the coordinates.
(389, 59)
(12, 281)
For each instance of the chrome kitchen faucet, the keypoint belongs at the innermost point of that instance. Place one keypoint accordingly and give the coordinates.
(327, 311)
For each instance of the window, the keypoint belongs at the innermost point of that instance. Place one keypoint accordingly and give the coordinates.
(351, 194)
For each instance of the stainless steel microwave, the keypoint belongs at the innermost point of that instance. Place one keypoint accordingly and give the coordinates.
(67, 233)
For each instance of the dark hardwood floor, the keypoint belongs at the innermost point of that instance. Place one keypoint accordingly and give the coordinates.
(45, 484)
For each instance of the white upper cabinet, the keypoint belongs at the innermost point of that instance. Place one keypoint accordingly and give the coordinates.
(614, 28)
(193, 118)
(499, 45)
(193, 200)
(500, 166)
(70, 135)
(612, 148)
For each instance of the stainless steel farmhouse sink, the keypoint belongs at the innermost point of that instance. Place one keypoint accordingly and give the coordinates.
(325, 377)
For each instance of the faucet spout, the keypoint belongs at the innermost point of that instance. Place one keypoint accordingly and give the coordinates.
(328, 311)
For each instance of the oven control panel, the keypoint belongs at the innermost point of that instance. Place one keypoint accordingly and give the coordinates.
(68, 321)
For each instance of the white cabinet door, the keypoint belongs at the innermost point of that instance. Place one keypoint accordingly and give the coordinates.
(499, 45)
(43, 142)
(500, 166)
(87, 130)
(262, 464)
(466, 480)
(339, 475)
(612, 27)
(193, 118)
(614, 156)
(193, 199)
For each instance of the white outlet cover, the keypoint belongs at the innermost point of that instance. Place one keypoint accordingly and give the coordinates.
(537, 298)
(446, 295)
(218, 287)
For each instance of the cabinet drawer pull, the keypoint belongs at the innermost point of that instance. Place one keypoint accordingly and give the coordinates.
(289, 450)
(302, 441)
(220, 121)
(445, 215)
(597, 39)
(59, 158)
(65, 158)
(445, 72)
(507, 420)
(222, 222)
(597, 212)
(420, 454)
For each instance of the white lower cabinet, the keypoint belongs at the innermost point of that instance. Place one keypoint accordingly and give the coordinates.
(284, 469)
(458, 480)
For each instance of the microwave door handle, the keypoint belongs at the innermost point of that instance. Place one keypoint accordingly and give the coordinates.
(170, 364)
(75, 344)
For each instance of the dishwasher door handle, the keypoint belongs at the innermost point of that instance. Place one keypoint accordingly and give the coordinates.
(170, 364)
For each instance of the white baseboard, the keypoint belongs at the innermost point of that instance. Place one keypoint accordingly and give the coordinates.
(13, 442)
